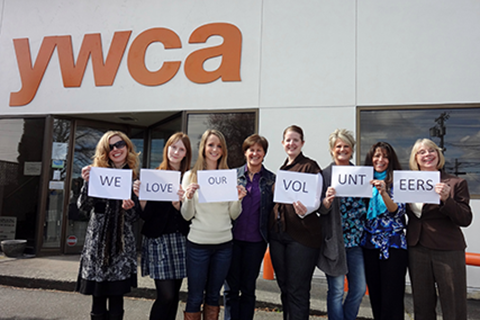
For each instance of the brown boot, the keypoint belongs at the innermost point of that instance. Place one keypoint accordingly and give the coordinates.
(210, 312)
(191, 315)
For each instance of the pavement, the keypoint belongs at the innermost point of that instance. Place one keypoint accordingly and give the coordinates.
(60, 273)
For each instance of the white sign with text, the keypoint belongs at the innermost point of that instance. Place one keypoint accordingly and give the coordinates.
(416, 186)
(297, 186)
(352, 181)
(159, 185)
(217, 185)
(110, 183)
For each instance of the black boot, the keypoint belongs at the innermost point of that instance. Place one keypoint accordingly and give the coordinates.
(118, 316)
(101, 316)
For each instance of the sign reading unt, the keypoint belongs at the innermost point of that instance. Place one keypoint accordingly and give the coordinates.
(297, 186)
(352, 181)
(416, 186)
(110, 183)
(217, 185)
(159, 185)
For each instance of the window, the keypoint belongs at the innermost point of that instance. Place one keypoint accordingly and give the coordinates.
(235, 126)
(455, 128)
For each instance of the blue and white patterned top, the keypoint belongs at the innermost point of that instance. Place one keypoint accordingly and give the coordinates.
(386, 231)
(353, 211)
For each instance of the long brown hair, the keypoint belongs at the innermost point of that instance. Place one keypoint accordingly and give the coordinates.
(101, 159)
(201, 163)
(186, 161)
(393, 163)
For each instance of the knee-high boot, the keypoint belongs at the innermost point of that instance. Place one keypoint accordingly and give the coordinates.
(191, 315)
(210, 312)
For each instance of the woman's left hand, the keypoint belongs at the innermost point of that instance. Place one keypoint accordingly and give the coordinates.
(242, 192)
(443, 190)
(128, 204)
(380, 185)
(300, 209)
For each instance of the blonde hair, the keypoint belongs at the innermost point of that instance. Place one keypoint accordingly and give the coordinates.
(429, 144)
(186, 161)
(101, 159)
(344, 135)
(201, 163)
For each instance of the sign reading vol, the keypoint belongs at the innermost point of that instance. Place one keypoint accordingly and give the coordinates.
(110, 183)
(217, 185)
(159, 185)
(296, 186)
(352, 181)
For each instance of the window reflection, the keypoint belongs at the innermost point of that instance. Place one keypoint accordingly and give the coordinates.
(459, 128)
(234, 126)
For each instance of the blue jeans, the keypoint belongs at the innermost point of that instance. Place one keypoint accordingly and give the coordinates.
(207, 269)
(348, 309)
(241, 281)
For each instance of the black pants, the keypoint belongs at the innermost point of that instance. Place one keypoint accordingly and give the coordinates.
(241, 280)
(294, 264)
(386, 282)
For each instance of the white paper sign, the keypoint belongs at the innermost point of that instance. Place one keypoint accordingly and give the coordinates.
(159, 185)
(416, 186)
(296, 186)
(352, 181)
(110, 183)
(217, 185)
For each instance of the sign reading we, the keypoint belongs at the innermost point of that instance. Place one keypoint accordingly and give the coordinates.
(110, 183)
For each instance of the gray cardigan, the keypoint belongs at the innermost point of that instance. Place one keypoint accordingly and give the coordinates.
(332, 259)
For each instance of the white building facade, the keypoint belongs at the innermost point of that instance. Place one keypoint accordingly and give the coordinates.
(375, 67)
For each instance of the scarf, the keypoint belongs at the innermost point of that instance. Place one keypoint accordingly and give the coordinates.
(376, 206)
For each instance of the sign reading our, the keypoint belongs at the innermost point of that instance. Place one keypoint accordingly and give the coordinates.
(296, 186)
(217, 185)
(352, 181)
(105, 70)
(110, 183)
(159, 185)
(416, 186)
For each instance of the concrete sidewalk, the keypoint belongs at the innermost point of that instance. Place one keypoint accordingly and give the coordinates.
(60, 273)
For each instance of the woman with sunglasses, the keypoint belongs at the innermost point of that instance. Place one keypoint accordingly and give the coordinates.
(209, 244)
(108, 265)
(164, 234)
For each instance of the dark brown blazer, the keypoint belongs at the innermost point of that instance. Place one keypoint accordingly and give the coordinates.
(306, 231)
(438, 227)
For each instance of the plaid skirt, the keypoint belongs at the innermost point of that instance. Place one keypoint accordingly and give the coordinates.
(164, 258)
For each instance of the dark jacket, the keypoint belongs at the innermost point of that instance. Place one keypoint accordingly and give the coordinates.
(306, 231)
(161, 218)
(266, 182)
(333, 258)
(438, 227)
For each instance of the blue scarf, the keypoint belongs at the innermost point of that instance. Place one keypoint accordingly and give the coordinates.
(376, 206)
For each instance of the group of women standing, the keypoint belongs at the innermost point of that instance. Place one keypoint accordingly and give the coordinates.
(223, 243)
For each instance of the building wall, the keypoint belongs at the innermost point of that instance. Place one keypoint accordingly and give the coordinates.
(305, 62)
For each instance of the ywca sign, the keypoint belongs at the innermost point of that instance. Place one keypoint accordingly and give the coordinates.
(105, 71)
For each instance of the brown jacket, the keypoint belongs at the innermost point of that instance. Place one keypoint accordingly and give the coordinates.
(438, 227)
(306, 231)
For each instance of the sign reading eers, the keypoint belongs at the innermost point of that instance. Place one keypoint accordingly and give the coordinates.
(105, 71)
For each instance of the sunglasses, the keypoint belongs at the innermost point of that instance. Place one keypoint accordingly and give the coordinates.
(119, 145)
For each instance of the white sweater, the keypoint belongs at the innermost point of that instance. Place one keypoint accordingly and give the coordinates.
(212, 221)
